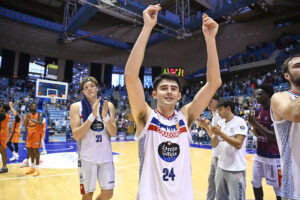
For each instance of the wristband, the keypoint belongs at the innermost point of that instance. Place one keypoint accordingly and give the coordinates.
(106, 118)
(91, 118)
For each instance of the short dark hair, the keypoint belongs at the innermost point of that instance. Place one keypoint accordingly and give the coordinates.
(226, 103)
(87, 79)
(216, 97)
(167, 76)
(267, 89)
(19, 111)
(285, 65)
(6, 107)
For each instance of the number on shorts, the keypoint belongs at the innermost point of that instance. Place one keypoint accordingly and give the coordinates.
(98, 138)
(166, 174)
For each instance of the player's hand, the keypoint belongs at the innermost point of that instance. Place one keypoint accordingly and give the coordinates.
(216, 130)
(104, 109)
(209, 27)
(203, 122)
(251, 119)
(95, 107)
(11, 104)
(150, 15)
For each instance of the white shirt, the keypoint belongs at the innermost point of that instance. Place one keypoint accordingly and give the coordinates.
(214, 121)
(95, 145)
(166, 172)
(230, 158)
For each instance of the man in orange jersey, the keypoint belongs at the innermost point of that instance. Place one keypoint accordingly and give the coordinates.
(4, 129)
(33, 123)
(15, 132)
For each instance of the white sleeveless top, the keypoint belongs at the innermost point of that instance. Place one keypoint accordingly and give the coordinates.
(288, 138)
(166, 173)
(95, 146)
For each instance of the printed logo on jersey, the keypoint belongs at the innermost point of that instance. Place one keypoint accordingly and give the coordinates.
(172, 131)
(242, 127)
(97, 126)
(168, 151)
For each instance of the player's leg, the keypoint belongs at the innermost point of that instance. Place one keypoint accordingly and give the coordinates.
(88, 179)
(32, 160)
(221, 185)
(3, 155)
(236, 182)
(16, 144)
(258, 174)
(211, 192)
(106, 178)
(10, 147)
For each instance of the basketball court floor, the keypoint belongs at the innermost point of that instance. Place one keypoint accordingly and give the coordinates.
(59, 179)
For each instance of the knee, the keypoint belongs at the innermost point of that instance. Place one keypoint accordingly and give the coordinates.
(106, 195)
(88, 196)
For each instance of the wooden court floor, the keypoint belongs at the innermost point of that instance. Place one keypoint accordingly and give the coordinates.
(63, 184)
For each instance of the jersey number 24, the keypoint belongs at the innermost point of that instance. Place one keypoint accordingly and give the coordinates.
(168, 174)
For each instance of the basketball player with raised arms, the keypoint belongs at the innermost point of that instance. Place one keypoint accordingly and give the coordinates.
(93, 122)
(285, 112)
(166, 172)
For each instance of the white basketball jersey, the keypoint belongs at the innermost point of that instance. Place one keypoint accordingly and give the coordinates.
(95, 146)
(166, 172)
(288, 137)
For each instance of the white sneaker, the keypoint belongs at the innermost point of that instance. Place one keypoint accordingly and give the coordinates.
(25, 164)
(43, 152)
(12, 158)
(17, 156)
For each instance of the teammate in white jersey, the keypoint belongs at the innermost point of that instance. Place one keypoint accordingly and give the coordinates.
(285, 110)
(166, 172)
(231, 172)
(93, 122)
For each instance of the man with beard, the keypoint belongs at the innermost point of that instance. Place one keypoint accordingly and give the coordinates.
(285, 111)
(33, 123)
(267, 159)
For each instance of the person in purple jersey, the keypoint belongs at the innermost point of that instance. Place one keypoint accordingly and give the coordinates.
(267, 159)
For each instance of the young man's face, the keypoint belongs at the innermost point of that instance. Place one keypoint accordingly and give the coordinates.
(167, 93)
(293, 74)
(221, 111)
(90, 90)
(213, 104)
(224, 111)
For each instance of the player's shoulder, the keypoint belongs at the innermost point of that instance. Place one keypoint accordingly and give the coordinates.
(238, 120)
(75, 105)
(278, 96)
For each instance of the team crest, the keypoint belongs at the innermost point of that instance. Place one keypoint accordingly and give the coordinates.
(97, 126)
(168, 151)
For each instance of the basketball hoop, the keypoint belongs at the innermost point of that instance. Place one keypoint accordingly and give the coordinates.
(53, 99)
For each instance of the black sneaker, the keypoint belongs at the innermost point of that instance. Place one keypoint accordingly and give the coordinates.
(3, 170)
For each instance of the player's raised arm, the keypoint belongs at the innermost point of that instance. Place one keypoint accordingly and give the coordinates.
(140, 109)
(204, 95)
